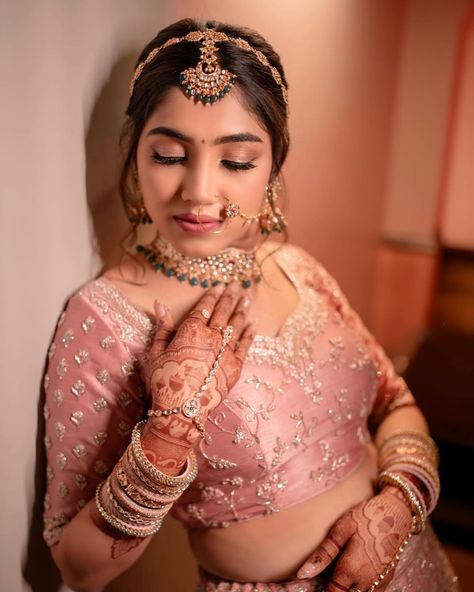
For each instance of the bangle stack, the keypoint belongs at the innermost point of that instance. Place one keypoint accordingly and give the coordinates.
(136, 496)
(409, 460)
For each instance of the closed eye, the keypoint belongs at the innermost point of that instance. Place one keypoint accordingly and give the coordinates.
(167, 159)
(232, 165)
(238, 166)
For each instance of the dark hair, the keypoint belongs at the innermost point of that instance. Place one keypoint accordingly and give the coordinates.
(258, 90)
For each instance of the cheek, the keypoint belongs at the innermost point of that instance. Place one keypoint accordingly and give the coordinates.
(248, 190)
(160, 184)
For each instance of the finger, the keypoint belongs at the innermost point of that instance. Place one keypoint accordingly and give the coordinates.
(164, 329)
(340, 585)
(343, 577)
(329, 549)
(205, 307)
(237, 320)
(244, 343)
(225, 305)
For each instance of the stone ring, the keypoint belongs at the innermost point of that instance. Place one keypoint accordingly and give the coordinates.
(205, 313)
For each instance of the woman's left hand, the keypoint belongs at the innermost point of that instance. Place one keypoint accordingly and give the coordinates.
(365, 540)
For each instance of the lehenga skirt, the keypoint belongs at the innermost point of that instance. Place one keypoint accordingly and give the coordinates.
(423, 567)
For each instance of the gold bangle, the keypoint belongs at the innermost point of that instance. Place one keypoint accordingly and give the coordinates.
(416, 506)
(412, 437)
(148, 468)
(417, 462)
(413, 449)
(121, 526)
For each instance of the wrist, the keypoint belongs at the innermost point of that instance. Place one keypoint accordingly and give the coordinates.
(167, 453)
(416, 505)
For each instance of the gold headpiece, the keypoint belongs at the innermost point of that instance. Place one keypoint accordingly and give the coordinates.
(207, 82)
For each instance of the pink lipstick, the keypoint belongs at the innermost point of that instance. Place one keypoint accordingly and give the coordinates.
(195, 224)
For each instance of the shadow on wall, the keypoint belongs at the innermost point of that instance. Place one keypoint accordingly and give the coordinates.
(103, 159)
(109, 225)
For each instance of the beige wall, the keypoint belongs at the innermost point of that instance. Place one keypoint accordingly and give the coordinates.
(65, 72)
(456, 215)
(429, 181)
(421, 117)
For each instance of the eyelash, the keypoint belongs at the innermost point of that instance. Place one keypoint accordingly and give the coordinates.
(229, 164)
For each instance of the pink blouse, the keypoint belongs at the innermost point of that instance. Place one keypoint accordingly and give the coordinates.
(295, 423)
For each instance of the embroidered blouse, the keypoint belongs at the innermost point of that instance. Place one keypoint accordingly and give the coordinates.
(295, 423)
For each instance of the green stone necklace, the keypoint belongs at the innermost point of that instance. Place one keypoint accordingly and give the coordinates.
(224, 267)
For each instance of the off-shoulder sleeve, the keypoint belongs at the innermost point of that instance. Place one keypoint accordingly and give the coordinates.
(93, 398)
(392, 390)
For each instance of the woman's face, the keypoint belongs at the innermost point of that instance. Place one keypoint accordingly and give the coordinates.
(188, 155)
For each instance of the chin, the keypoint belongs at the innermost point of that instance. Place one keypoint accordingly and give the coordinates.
(207, 245)
(197, 246)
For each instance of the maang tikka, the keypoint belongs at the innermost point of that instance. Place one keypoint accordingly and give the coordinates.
(207, 82)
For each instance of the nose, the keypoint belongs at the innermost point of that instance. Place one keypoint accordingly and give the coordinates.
(197, 185)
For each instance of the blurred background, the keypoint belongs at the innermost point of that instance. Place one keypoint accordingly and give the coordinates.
(381, 191)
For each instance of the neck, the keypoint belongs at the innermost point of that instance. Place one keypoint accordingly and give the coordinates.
(230, 264)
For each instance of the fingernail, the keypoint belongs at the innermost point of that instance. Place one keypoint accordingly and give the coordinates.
(245, 301)
(219, 288)
(160, 310)
(307, 571)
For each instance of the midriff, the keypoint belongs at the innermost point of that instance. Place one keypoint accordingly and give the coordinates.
(272, 548)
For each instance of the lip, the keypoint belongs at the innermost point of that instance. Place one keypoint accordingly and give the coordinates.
(196, 225)
(195, 219)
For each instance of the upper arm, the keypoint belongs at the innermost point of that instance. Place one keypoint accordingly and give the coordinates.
(93, 398)
(391, 390)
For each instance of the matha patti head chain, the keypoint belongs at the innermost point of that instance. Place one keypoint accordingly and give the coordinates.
(207, 82)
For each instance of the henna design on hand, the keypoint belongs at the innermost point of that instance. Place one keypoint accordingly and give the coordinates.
(175, 371)
(122, 543)
(123, 546)
(363, 542)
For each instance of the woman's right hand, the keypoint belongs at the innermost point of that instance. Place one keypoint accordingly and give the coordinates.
(175, 368)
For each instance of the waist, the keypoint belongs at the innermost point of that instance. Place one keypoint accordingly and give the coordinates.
(224, 496)
(272, 548)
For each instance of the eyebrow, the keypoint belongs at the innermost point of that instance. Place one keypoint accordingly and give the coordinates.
(172, 133)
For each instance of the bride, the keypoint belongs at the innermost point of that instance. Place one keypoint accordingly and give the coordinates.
(220, 375)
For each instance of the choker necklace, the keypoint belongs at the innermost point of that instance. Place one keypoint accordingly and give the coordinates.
(224, 267)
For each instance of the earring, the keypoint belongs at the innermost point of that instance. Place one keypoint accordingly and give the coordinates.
(137, 213)
(272, 219)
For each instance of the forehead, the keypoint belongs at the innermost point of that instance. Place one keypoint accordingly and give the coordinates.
(205, 122)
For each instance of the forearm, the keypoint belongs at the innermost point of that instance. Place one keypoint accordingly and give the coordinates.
(88, 558)
(403, 418)
(113, 530)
